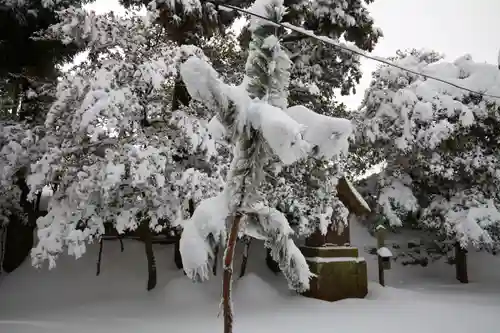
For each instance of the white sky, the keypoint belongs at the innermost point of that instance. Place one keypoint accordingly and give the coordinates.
(452, 27)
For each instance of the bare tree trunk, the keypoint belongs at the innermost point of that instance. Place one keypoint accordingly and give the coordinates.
(99, 256)
(228, 274)
(461, 264)
(3, 231)
(216, 256)
(122, 247)
(147, 238)
(177, 254)
(271, 263)
(247, 241)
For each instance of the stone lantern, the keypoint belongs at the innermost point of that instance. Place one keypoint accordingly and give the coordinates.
(340, 272)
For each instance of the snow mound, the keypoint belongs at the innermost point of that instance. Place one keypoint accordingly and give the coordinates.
(188, 293)
(252, 288)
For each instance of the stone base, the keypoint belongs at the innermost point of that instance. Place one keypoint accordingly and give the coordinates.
(341, 273)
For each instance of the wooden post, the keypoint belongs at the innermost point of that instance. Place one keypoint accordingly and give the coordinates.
(461, 263)
(380, 231)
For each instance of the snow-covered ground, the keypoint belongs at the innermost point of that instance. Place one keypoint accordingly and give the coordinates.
(72, 299)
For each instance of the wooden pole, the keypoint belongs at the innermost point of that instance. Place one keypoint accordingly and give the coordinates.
(380, 231)
(461, 264)
(228, 274)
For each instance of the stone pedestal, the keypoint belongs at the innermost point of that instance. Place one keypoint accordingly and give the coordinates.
(341, 273)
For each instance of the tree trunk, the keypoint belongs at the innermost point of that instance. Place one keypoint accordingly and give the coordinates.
(461, 264)
(216, 256)
(146, 237)
(228, 274)
(271, 263)
(247, 241)
(3, 231)
(99, 257)
(19, 235)
(177, 254)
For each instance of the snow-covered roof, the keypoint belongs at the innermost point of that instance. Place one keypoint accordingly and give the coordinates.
(351, 198)
(384, 252)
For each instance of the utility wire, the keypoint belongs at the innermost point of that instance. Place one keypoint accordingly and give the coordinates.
(344, 47)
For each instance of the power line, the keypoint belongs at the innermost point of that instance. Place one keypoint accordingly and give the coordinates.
(352, 49)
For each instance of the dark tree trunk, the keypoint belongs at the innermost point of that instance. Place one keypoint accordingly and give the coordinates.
(122, 247)
(99, 257)
(247, 241)
(18, 243)
(19, 235)
(228, 274)
(181, 95)
(271, 263)
(177, 255)
(177, 251)
(146, 237)
(216, 256)
(461, 264)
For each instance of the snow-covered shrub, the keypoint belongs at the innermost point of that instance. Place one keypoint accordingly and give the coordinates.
(440, 145)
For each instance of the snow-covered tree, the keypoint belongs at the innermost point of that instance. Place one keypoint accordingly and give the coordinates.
(440, 145)
(267, 135)
(28, 74)
(115, 151)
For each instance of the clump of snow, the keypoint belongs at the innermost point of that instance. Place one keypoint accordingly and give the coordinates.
(394, 198)
(330, 135)
(261, 8)
(384, 252)
(282, 133)
(207, 223)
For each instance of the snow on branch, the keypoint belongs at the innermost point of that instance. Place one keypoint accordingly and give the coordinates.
(328, 134)
(281, 132)
(205, 229)
(273, 227)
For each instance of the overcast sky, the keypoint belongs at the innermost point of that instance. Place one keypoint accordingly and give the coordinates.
(452, 27)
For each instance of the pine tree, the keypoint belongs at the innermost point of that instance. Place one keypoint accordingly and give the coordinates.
(28, 73)
(115, 150)
(266, 135)
(440, 145)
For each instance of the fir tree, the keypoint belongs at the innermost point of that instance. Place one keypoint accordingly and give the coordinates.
(28, 73)
(116, 151)
(266, 135)
(439, 143)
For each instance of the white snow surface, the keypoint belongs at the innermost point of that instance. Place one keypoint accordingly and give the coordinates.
(71, 297)
(208, 218)
(334, 259)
